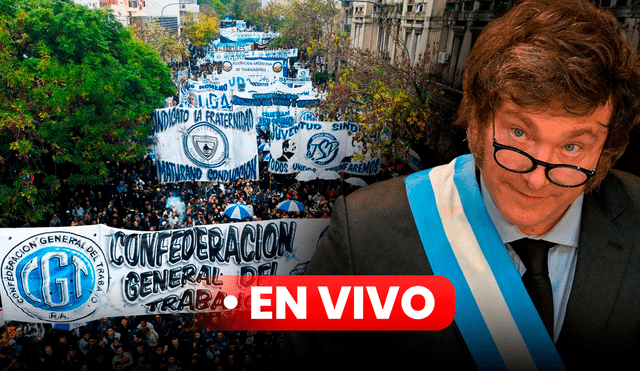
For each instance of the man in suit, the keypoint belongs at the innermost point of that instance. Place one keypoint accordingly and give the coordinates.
(551, 92)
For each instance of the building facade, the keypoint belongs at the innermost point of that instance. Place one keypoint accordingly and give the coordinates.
(125, 10)
(443, 30)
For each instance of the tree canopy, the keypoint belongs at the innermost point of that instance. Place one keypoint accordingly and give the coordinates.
(248, 10)
(76, 90)
(200, 29)
(306, 21)
(170, 46)
(394, 101)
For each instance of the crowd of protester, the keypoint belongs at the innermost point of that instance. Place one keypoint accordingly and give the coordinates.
(171, 342)
(133, 198)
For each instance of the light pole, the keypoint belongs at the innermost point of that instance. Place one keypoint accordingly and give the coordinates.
(182, 2)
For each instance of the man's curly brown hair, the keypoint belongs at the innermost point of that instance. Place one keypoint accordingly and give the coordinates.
(548, 52)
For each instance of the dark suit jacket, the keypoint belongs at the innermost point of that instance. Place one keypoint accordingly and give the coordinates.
(373, 232)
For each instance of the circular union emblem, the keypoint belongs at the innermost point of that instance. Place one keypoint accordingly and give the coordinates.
(307, 116)
(206, 145)
(322, 148)
(277, 67)
(56, 276)
(226, 65)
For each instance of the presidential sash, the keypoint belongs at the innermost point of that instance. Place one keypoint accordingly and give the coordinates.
(494, 313)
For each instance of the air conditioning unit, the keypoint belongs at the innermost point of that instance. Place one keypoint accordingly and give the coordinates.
(443, 57)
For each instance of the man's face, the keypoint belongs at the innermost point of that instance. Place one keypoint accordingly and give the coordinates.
(530, 201)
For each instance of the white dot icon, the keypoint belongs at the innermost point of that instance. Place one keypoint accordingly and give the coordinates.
(230, 302)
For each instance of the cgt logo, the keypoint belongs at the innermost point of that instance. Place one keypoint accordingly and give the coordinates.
(56, 277)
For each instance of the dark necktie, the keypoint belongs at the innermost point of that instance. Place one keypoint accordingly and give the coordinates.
(533, 254)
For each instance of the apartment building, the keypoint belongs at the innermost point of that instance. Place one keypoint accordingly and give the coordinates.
(125, 10)
(444, 30)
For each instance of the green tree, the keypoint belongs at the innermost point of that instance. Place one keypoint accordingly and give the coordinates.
(214, 7)
(200, 29)
(75, 90)
(271, 15)
(306, 22)
(248, 10)
(170, 46)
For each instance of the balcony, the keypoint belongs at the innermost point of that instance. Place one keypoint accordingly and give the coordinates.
(478, 10)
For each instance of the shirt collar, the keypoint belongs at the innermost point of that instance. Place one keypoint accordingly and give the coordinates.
(565, 232)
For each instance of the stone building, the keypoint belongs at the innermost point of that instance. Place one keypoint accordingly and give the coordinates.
(445, 30)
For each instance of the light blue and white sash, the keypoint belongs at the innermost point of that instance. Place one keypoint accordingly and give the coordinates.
(494, 313)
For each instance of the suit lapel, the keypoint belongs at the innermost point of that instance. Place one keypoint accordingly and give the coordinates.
(603, 254)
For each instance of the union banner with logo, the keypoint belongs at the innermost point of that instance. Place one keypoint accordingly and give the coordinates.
(318, 146)
(78, 274)
(205, 144)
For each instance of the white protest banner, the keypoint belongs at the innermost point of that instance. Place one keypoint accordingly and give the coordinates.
(295, 81)
(205, 145)
(275, 116)
(259, 85)
(369, 165)
(255, 69)
(273, 54)
(230, 46)
(79, 274)
(322, 144)
(260, 54)
(273, 99)
(318, 146)
(211, 95)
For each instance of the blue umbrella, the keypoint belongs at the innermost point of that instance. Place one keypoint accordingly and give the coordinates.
(237, 211)
(265, 147)
(291, 205)
(267, 157)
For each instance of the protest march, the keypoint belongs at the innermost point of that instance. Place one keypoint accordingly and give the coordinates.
(239, 182)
